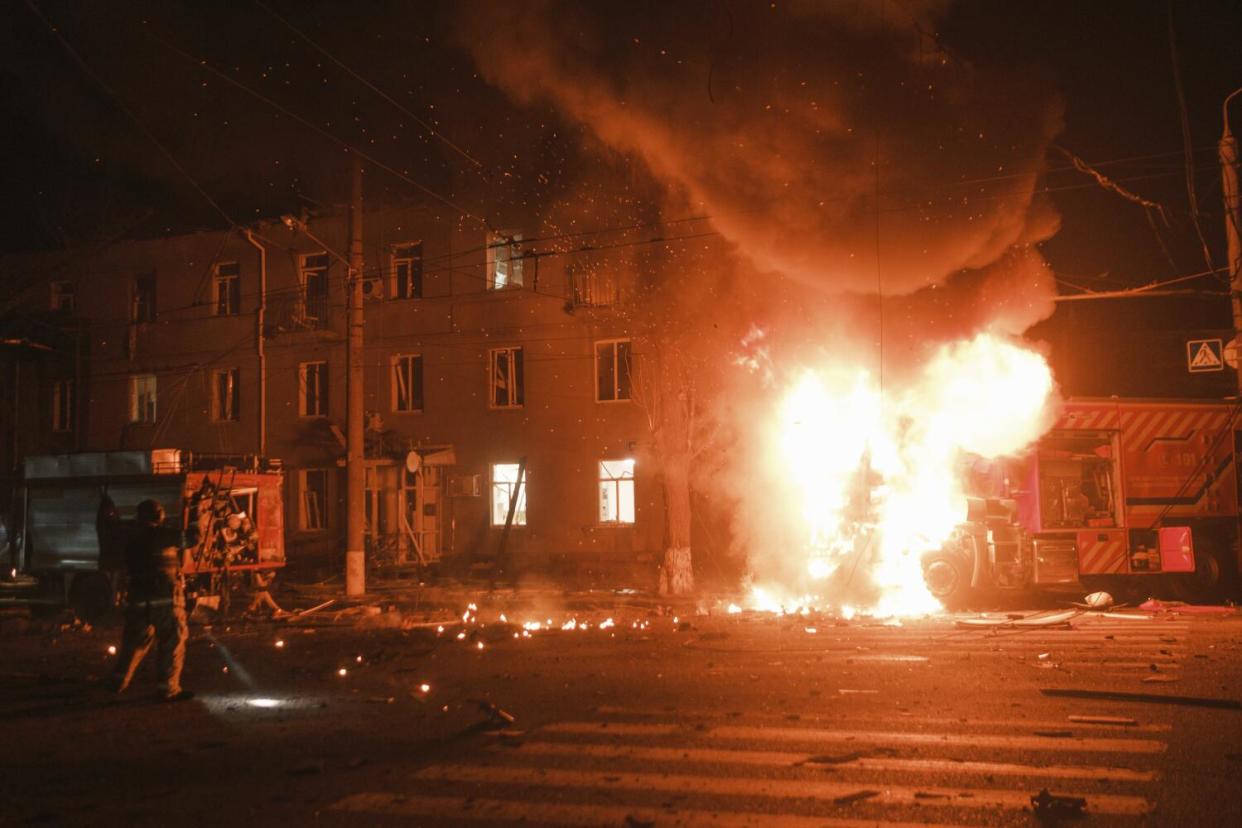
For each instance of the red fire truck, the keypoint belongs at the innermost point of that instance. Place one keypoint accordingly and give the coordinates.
(1135, 497)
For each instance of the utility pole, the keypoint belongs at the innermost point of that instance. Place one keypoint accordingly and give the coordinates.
(1228, 151)
(355, 452)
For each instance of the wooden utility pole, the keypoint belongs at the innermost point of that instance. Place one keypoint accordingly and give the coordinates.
(355, 453)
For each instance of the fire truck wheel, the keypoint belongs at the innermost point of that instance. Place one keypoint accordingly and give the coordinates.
(948, 579)
(1208, 581)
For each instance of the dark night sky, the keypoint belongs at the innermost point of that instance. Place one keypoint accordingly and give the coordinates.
(80, 170)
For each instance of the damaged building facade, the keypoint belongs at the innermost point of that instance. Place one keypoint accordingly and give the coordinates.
(486, 370)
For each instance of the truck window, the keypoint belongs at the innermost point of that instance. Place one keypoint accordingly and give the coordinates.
(1077, 486)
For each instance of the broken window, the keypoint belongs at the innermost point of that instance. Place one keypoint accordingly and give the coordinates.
(1077, 488)
(407, 271)
(506, 477)
(616, 491)
(64, 296)
(62, 405)
(312, 512)
(407, 382)
(314, 275)
(142, 397)
(507, 378)
(226, 394)
(613, 364)
(142, 300)
(227, 279)
(504, 260)
(313, 389)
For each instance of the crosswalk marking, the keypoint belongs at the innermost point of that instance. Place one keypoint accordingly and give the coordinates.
(490, 811)
(816, 736)
(789, 789)
(775, 758)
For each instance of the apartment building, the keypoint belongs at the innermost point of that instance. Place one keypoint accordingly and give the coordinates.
(498, 384)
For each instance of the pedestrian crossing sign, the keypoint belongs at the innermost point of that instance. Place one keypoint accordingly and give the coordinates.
(1204, 355)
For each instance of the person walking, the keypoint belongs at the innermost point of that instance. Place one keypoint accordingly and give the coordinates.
(155, 606)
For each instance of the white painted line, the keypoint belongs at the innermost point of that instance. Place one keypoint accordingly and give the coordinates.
(773, 758)
(813, 735)
(813, 716)
(549, 813)
(770, 788)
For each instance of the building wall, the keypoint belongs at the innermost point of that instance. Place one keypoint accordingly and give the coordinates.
(560, 429)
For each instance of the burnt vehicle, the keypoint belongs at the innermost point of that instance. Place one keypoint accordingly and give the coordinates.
(72, 513)
(1134, 497)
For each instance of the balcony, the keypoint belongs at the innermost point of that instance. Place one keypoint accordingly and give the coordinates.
(295, 311)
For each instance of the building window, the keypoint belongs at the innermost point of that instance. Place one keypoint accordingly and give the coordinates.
(407, 271)
(504, 260)
(407, 382)
(313, 389)
(62, 405)
(613, 364)
(228, 289)
(507, 378)
(142, 396)
(312, 508)
(142, 300)
(616, 491)
(64, 296)
(505, 478)
(314, 275)
(225, 394)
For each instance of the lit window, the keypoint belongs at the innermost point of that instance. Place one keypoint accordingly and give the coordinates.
(507, 378)
(62, 405)
(616, 491)
(407, 271)
(504, 260)
(142, 300)
(228, 289)
(313, 389)
(407, 382)
(226, 394)
(64, 296)
(613, 365)
(314, 275)
(142, 397)
(313, 484)
(506, 477)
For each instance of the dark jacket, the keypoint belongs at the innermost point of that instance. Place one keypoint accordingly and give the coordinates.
(153, 559)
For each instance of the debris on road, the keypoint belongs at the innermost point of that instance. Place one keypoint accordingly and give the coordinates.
(856, 796)
(1056, 619)
(1182, 608)
(1048, 805)
(1152, 698)
(498, 717)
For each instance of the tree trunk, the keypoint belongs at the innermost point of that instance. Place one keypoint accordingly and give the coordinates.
(677, 572)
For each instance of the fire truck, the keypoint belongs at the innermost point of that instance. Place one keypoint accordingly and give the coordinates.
(71, 515)
(1135, 497)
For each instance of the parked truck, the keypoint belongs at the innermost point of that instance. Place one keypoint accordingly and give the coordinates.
(1135, 497)
(71, 514)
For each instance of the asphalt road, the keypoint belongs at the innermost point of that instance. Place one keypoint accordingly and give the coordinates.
(713, 720)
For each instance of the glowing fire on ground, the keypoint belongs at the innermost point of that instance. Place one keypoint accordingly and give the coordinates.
(875, 474)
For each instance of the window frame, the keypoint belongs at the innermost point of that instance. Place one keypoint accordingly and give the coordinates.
(514, 262)
(304, 513)
(417, 375)
(616, 484)
(322, 390)
(233, 414)
(612, 344)
(396, 261)
(135, 415)
(521, 514)
(142, 300)
(59, 294)
(232, 303)
(305, 269)
(517, 387)
(62, 405)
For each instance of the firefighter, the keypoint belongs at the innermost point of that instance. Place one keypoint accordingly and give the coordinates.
(155, 607)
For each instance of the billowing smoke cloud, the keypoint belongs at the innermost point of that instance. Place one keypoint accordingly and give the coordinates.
(835, 143)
